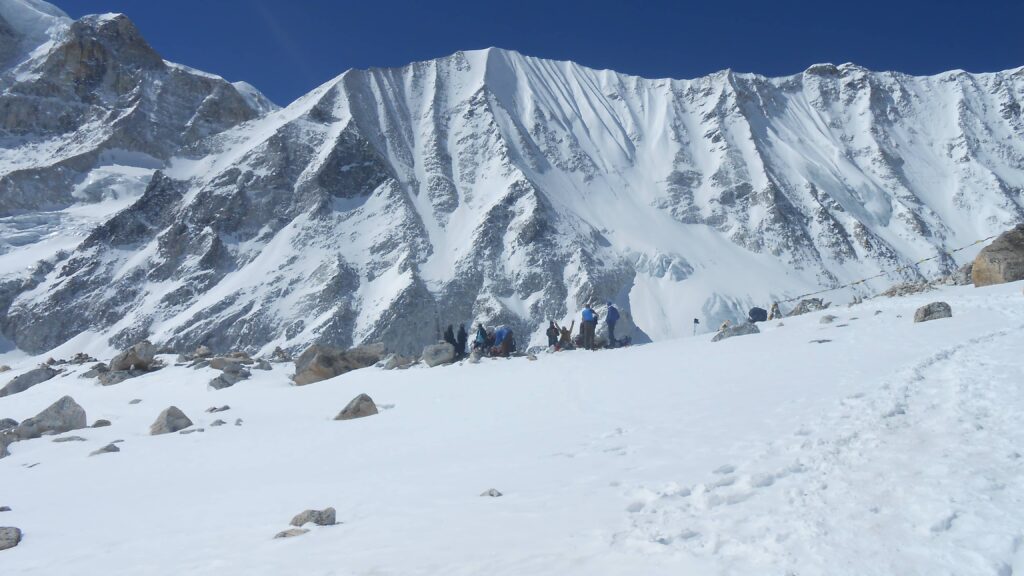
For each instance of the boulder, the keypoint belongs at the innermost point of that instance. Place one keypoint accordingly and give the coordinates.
(262, 364)
(202, 351)
(625, 327)
(8, 424)
(6, 438)
(360, 407)
(279, 355)
(737, 330)
(325, 517)
(96, 370)
(321, 362)
(1001, 261)
(101, 423)
(809, 305)
(5, 508)
(933, 311)
(217, 422)
(63, 415)
(28, 380)
(81, 358)
(437, 354)
(291, 532)
(141, 356)
(117, 376)
(9, 537)
(492, 493)
(105, 450)
(228, 379)
(170, 420)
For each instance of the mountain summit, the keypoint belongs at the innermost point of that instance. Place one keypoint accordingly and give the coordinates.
(492, 186)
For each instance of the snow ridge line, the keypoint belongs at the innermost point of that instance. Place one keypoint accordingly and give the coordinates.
(863, 453)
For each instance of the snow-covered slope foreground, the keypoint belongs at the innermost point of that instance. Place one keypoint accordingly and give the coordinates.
(492, 186)
(890, 448)
(88, 111)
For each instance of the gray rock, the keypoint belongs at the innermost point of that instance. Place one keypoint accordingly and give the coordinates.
(63, 415)
(396, 361)
(1001, 261)
(320, 362)
(360, 407)
(4, 368)
(809, 305)
(238, 421)
(28, 380)
(202, 351)
(290, 533)
(262, 364)
(827, 319)
(214, 409)
(5, 508)
(101, 423)
(105, 450)
(112, 377)
(9, 537)
(492, 493)
(8, 423)
(217, 422)
(933, 311)
(192, 431)
(96, 370)
(69, 439)
(737, 330)
(325, 517)
(81, 358)
(437, 354)
(141, 356)
(135, 401)
(228, 379)
(279, 355)
(170, 420)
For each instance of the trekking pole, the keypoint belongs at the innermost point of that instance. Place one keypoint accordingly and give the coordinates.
(695, 323)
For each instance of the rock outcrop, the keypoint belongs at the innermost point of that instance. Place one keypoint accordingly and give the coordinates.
(325, 517)
(141, 357)
(63, 415)
(933, 311)
(28, 380)
(1001, 261)
(437, 354)
(323, 362)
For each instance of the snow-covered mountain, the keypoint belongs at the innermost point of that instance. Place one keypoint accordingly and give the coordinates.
(88, 111)
(492, 186)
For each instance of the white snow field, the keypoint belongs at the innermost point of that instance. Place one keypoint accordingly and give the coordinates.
(893, 448)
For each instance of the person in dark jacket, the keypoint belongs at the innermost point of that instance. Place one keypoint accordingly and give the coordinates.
(449, 335)
(552, 334)
(565, 339)
(480, 342)
(611, 317)
(460, 341)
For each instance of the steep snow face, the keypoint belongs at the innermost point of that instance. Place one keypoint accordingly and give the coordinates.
(491, 186)
(90, 110)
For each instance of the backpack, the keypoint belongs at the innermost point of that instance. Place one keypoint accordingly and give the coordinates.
(757, 314)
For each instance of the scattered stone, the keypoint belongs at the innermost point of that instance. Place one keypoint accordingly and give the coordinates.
(8, 423)
(279, 355)
(1001, 261)
(325, 517)
(141, 356)
(105, 450)
(227, 364)
(291, 532)
(202, 351)
(96, 370)
(5, 508)
(320, 362)
(262, 364)
(28, 380)
(933, 311)
(213, 409)
(101, 423)
(229, 379)
(217, 422)
(809, 305)
(5, 368)
(192, 430)
(135, 401)
(492, 493)
(827, 319)
(170, 420)
(437, 354)
(531, 357)
(841, 325)
(118, 441)
(112, 377)
(877, 312)
(69, 439)
(738, 330)
(238, 422)
(9, 537)
(360, 406)
(64, 415)
(820, 341)
(81, 358)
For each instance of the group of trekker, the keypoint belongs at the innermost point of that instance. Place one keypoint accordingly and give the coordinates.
(501, 341)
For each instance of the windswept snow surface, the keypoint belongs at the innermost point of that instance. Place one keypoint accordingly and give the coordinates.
(890, 448)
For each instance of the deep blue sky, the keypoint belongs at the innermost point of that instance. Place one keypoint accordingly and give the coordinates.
(287, 47)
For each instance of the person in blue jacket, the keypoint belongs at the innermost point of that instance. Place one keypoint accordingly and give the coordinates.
(588, 327)
(611, 317)
(503, 341)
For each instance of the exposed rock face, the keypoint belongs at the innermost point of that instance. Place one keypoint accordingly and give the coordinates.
(63, 415)
(9, 537)
(737, 330)
(1002, 260)
(389, 199)
(322, 362)
(933, 311)
(437, 354)
(170, 420)
(325, 517)
(359, 407)
(28, 380)
(808, 305)
(139, 357)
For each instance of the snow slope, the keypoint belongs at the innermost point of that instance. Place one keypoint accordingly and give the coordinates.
(492, 186)
(892, 448)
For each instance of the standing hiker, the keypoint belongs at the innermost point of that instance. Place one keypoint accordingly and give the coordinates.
(480, 342)
(449, 335)
(611, 317)
(552, 334)
(588, 327)
(460, 341)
